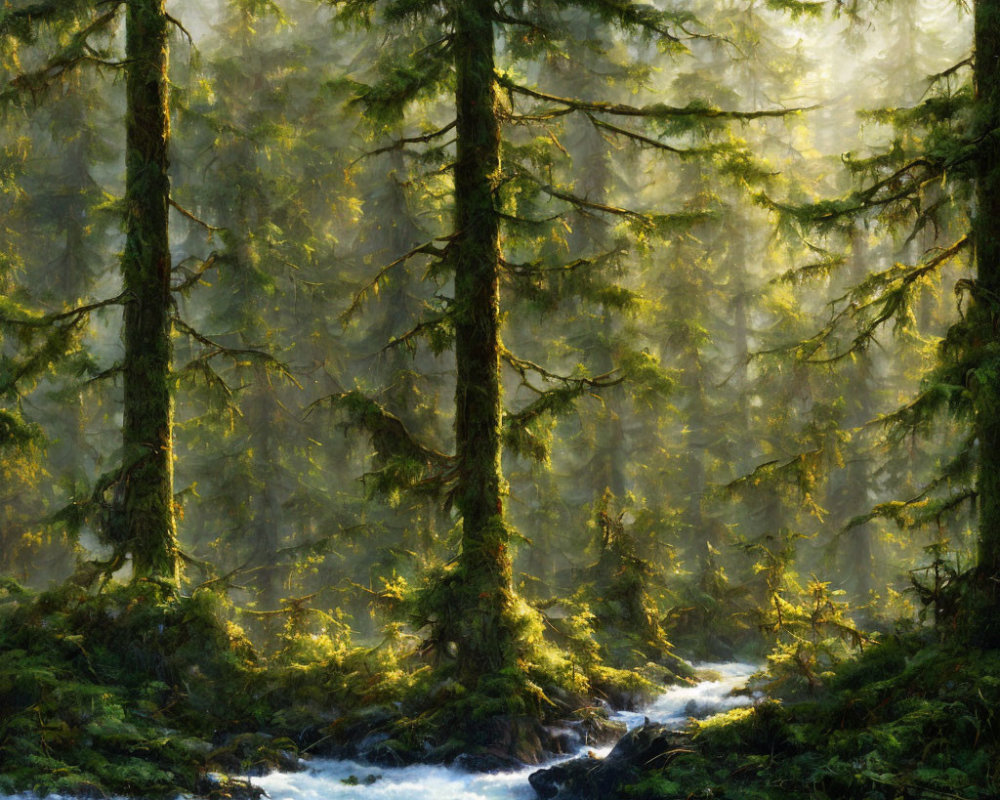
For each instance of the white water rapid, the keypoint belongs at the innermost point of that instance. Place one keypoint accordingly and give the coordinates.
(326, 779)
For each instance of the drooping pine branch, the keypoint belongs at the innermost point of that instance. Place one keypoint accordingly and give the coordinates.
(77, 51)
(403, 462)
(657, 111)
(373, 285)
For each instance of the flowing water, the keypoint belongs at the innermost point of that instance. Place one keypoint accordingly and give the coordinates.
(326, 779)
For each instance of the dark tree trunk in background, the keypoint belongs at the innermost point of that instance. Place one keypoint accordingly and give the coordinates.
(695, 474)
(486, 641)
(265, 531)
(146, 432)
(848, 489)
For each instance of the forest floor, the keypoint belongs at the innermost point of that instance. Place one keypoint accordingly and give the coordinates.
(130, 692)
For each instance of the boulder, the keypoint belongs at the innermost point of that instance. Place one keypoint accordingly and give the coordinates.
(592, 778)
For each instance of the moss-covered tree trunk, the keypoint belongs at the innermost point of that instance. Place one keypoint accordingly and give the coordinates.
(486, 641)
(146, 430)
(986, 309)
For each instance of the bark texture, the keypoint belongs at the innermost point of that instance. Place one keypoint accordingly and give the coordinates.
(146, 432)
(984, 312)
(486, 640)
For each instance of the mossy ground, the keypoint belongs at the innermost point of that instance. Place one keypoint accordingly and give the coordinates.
(134, 691)
(907, 719)
(137, 691)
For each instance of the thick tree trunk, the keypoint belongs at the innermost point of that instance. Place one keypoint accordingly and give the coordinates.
(985, 309)
(486, 641)
(146, 431)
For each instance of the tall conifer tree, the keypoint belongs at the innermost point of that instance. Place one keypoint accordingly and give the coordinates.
(147, 477)
(455, 49)
(984, 316)
(141, 522)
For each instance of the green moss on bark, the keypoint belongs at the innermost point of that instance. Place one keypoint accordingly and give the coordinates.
(147, 478)
(485, 635)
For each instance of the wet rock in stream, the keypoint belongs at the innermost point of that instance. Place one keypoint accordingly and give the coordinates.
(590, 778)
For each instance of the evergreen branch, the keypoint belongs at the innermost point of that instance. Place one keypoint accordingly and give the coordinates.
(21, 22)
(77, 51)
(867, 194)
(638, 137)
(104, 374)
(885, 291)
(817, 269)
(798, 469)
(534, 27)
(520, 435)
(828, 212)
(420, 329)
(214, 382)
(400, 144)
(194, 276)
(960, 468)
(73, 315)
(321, 544)
(208, 568)
(237, 354)
(15, 431)
(403, 83)
(638, 16)
(523, 367)
(180, 26)
(404, 462)
(901, 511)
(519, 432)
(195, 219)
(904, 183)
(531, 269)
(947, 73)
(542, 116)
(389, 434)
(526, 221)
(427, 248)
(653, 111)
(584, 206)
(105, 515)
(543, 282)
(293, 606)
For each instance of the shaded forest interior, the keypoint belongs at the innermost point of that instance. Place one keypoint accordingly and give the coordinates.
(404, 380)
